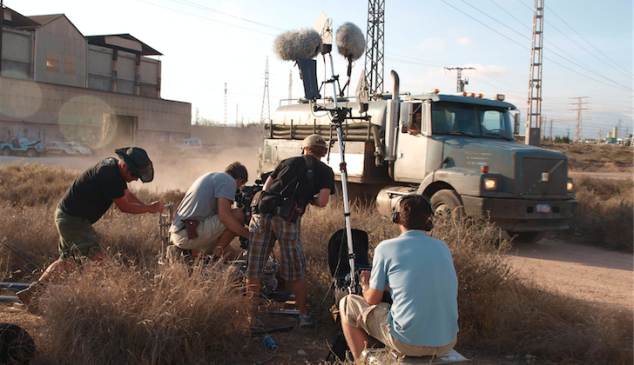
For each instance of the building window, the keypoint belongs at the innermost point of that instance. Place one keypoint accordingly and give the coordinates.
(70, 65)
(52, 61)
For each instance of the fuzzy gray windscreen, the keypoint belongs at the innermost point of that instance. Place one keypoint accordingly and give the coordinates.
(297, 44)
(350, 41)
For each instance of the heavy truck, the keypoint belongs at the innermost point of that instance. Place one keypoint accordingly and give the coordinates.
(460, 152)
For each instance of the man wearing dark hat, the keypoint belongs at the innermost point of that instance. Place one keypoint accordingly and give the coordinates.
(298, 181)
(89, 198)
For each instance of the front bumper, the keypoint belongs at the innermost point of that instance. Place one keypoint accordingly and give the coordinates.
(520, 215)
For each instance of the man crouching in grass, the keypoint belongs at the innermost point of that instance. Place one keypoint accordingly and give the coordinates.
(418, 272)
(85, 202)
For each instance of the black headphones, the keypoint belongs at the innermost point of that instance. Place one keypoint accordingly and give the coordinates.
(396, 214)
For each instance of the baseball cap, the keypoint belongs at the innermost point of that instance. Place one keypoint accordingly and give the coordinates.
(314, 140)
(138, 162)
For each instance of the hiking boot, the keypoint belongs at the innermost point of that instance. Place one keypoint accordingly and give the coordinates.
(29, 296)
(306, 320)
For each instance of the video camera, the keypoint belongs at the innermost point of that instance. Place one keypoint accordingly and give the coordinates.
(244, 198)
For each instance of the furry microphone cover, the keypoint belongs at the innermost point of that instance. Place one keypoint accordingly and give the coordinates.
(298, 44)
(350, 41)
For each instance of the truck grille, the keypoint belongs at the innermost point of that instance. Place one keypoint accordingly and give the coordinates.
(532, 176)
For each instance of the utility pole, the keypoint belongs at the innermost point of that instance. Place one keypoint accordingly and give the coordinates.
(568, 133)
(599, 139)
(618, 130)
(1, 32)
(551, 130)
(374, 56)
(543, 121)
(265, 99)
(533, 122)
(225, 120)
(290, 86)
(580, 103)
(460, 84)
(237, 110)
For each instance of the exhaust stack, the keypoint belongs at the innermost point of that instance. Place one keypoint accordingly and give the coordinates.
(391, 129)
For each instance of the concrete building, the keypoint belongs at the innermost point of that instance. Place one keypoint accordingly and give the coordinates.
(103, 91)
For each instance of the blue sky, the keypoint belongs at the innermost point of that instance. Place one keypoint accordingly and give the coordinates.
(587, 50)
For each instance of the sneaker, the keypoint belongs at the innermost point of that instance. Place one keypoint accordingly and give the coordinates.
(306, 320)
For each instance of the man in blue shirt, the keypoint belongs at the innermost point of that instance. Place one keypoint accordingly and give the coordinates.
(418, 272)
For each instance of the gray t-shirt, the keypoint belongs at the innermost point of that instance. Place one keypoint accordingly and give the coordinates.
(201, 200)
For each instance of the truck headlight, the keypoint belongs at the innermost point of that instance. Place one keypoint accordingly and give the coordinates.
(490, 184)
(569, 186)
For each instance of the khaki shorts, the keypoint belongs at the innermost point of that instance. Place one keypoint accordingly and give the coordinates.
(77, 237)
(356, 312)
(209, 229)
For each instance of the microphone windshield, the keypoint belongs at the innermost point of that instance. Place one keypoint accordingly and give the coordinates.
(297, 44)
(350, 41)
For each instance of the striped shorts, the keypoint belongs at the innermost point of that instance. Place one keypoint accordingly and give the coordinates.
(264, 231)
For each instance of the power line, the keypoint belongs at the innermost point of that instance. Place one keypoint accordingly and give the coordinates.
(202, 17)
(511, 15)
(553, 52)
(589, 44)
(556, 63)
(190, 3)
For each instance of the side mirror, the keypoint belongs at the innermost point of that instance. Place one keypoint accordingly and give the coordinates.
(516, 123)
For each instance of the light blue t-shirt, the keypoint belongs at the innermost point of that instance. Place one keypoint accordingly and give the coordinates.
(201, 200)
(423, 285)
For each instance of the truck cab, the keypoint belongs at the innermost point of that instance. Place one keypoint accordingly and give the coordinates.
(457, 150)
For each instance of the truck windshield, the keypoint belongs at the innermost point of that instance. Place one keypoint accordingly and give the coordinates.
(471, 120)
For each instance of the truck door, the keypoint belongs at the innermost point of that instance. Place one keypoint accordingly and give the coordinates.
(412, 142)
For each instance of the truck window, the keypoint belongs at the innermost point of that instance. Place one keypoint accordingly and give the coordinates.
(471, 120)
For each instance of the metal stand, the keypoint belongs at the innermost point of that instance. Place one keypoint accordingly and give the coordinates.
(339, 116)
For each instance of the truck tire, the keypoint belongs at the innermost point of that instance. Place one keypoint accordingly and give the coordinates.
(446, 201)
(526, 237)
(63, 153)
(6, 151)
(31, 152)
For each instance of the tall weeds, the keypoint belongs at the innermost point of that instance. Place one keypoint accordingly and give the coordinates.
(126, 314)
(132, 310)
(605, 214)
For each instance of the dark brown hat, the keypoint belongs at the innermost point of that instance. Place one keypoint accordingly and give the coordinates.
(138, 162)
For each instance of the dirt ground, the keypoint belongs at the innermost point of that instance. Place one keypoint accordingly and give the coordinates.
(585, 272)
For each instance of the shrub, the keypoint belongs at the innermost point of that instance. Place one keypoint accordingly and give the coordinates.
(604, 216)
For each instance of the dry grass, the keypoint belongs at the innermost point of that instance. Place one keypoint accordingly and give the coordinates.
(134, 311)
(604, 216)
(595, 158)
(126, 314)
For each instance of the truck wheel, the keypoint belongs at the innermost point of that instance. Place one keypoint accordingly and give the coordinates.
(63, 153)
(446, 201)
(526, 237)
(30, 152)
(6, 151)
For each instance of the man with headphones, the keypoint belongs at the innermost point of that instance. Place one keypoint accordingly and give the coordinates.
(418, 272)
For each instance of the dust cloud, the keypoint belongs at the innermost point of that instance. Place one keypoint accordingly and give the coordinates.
(180, 171)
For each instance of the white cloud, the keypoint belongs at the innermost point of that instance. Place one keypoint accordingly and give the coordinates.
(464, 41)
(432, 43)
